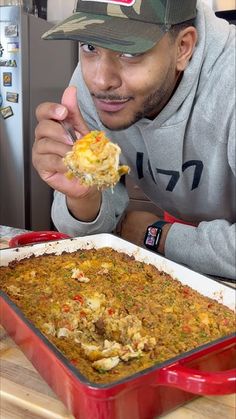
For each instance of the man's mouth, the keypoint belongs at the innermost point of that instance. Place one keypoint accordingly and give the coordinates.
(110, 105)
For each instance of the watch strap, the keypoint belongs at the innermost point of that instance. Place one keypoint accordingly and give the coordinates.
(160, 223)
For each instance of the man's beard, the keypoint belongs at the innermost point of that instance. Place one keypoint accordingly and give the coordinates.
(149, 107)
(152, 105)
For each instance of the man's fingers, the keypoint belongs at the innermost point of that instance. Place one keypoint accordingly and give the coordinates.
(68, 109)
(48, 110)
(69, 100)
(53, 130)
(50, 163)
(47, 146)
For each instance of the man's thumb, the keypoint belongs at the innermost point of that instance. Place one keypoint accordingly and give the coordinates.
(69, 100)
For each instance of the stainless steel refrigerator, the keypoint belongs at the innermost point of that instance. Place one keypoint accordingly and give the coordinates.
(31, 71)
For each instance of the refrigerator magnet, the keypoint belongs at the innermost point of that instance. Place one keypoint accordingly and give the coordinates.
(1, 100)
(6, 112)
(8, 63)
(1, 50)
(12, 46)
(11, 31)
(3, 63)
(12, 63)
(12, 97)
(7, 79)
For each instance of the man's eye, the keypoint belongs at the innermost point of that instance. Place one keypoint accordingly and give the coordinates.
(87, 47)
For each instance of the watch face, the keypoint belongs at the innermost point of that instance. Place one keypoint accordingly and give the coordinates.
(152, 236)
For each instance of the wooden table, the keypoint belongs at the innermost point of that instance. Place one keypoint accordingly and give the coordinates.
(24, 394)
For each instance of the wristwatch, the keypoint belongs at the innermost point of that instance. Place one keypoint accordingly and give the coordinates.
(153, 235)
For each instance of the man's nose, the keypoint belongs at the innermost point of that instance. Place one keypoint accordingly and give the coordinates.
(107, 74)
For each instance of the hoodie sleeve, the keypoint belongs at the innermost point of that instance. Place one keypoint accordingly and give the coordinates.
(113, 205)
(209, 248)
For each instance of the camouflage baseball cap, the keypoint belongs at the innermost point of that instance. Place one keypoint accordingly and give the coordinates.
(130, 26)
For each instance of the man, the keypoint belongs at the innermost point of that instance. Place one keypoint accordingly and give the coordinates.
(159, 78)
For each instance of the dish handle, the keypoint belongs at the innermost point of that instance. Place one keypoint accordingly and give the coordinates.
(36, 237)
(204, 381)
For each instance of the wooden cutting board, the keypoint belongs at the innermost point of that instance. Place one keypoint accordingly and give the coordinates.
(24, 394)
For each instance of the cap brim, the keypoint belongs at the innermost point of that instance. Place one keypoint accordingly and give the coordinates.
(118, 34)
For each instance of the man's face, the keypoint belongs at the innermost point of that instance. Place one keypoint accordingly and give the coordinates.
(126, 88)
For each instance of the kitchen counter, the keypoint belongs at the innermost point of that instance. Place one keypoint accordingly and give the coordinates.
(25, 394)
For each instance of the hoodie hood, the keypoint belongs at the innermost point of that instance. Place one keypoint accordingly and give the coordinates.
(213, 36)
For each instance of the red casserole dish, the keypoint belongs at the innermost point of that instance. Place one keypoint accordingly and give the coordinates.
(208, 369)
(36, 237)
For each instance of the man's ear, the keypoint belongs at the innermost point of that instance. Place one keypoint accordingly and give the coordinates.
(186, 42)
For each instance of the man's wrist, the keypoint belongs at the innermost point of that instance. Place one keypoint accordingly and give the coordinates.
(161, 245)
(85, 208)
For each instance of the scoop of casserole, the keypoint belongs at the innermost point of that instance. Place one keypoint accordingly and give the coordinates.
(94, 159)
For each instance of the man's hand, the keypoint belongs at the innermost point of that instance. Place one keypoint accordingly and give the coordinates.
(50, 146)
(51, 142)
(134, 225)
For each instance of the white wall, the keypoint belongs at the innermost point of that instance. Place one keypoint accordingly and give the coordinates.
(58, 10)
(224, 4)
(221, 4)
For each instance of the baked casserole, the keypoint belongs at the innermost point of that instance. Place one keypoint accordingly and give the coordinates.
(94, 160)
(110, 314)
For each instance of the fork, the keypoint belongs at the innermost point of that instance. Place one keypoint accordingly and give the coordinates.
(69, 130)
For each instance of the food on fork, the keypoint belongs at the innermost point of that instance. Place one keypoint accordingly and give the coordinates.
(94, 160)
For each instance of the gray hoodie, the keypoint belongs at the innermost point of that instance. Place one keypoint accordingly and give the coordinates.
(184, 160)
